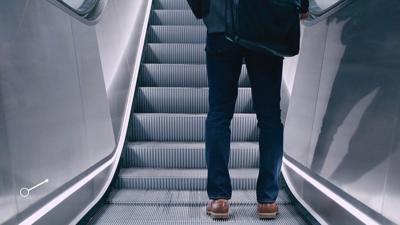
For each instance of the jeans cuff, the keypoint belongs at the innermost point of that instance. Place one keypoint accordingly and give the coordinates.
(219, 197)
(265, 201)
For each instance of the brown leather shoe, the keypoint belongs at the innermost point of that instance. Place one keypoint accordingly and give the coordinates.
(267, 210)
(218, 209)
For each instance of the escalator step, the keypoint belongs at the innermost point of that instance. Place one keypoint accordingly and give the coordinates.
(183, 100)
(183, 198)
(174, 17)
(187, 127)
(179, 75)
(181, 179)
(175, 53)
(185, 155)
(176, 34)
(170, 4)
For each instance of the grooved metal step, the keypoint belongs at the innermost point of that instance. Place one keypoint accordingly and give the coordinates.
(187, 127)
(173, 17)
(170, 4)
(184, 100)
(183, 215)
(181, 179)
(180, 75)
(175, 53)
(176, 34)
(183, 198)
(185, 155)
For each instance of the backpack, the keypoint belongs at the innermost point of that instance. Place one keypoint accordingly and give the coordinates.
(269, 26)
(200, 8)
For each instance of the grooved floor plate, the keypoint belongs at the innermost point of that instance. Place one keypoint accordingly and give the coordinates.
(180, 75)
(184, 100)
(185, 155)
(187, 127)
(166, 214)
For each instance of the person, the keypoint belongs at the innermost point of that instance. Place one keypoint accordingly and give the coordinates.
(224, 63)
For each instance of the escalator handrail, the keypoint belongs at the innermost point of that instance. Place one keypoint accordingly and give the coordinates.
(356, 208)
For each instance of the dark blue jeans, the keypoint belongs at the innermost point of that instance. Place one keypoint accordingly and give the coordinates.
(224, 63)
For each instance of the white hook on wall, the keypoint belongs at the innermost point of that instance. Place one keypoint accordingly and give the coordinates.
(24, 192)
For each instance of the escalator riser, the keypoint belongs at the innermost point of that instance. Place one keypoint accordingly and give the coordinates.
(182, 198)
(174, 17)
(170, 4)
(191, 179)
(175, 53)
(185, 155)
(187, 127)
(179, 75)
(176, 34)
(184, 100)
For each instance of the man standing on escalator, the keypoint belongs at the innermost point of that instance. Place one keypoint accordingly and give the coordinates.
(224, 63)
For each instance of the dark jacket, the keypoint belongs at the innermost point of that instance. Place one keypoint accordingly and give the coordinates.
(213, 12)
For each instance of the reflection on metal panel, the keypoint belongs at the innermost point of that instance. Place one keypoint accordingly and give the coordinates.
(319, 6)
(354, 139)
(81, 6)
(391, 196)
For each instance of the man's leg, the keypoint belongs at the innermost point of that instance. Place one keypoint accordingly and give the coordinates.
(224, 62)
(265, 73)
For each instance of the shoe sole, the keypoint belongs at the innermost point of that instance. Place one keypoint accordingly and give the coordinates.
(218, 216)
(226, 215)
(267, 215)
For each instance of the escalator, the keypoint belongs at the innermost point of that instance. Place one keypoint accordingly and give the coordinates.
(70, 79)
(163, 174)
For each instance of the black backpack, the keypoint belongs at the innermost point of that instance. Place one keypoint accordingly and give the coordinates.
(269, 26)
(200, 8)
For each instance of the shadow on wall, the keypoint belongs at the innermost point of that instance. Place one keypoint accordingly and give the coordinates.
(367, 86)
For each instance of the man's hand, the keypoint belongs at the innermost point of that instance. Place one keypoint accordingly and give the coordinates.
(304, 11)
(304, 16)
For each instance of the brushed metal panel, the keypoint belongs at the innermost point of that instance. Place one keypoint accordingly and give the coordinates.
(8, 206)
(55, 111)
(354, 136)
(298, 125)
(118, 36)
(99, 136)
(44, 118)
(56, 119)
(11, 13)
